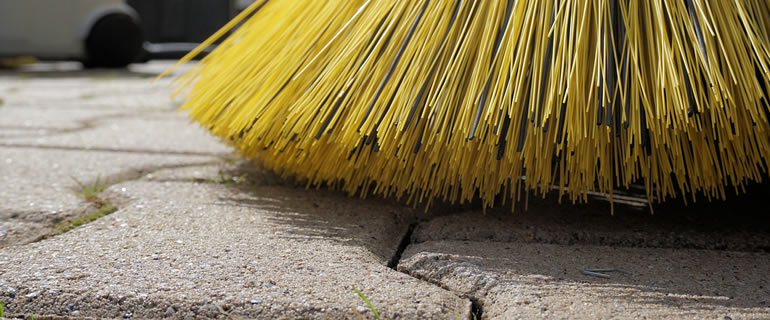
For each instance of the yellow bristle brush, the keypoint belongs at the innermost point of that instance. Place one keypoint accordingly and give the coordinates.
(458, 99)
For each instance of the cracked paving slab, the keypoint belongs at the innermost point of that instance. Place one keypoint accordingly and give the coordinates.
(50, 140)
(161, 133)
(545, 281)
(200, 250)
(681, 263)
(38, 187)
(152, 128)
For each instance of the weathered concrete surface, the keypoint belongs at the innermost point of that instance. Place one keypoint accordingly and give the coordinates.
(38, 186)
(198, 234)
(526, 281)
(56, 132)
(697, 262)
(185, 250)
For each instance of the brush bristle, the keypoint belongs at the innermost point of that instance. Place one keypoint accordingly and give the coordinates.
(457, 99)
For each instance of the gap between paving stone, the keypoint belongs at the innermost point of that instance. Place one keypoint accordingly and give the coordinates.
(293, 196)
(476, 299)
(476, 311)
(100, 149)
(80, 125)
(544, 281)
(147, 172)
(99, 201)
(502, 228)
(477, 305)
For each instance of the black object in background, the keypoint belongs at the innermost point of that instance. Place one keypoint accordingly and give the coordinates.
(174, 27)
(182, 20)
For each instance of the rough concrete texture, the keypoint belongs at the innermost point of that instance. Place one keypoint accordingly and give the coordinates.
(201, 233)
(269, 252)
(694, 262)
(39, 186)
(526, 281)
(55, 134)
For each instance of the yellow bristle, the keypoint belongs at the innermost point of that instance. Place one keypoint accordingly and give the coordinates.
(457, 99)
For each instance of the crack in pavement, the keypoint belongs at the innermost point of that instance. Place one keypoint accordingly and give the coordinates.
(49, 222)
(102, 149)
(403, 244)
(477, 309)
(98, 300)
(84, 124)
(40, 132)
(462, 275)
(81, 125)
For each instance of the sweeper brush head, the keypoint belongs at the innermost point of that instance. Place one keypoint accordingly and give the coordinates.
(456, 99)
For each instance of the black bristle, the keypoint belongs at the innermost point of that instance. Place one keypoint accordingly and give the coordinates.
(502, 140)
(418, 100)
(645, 143)
(485, 92)
(562, 116)
(393, 64)
(523, 125)
(546, 71)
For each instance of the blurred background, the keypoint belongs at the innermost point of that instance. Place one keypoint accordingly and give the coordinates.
(108, 33)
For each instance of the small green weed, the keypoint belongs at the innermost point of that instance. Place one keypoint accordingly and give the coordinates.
(2, 309)
(90, 191)
(73, 223)
(369, 303)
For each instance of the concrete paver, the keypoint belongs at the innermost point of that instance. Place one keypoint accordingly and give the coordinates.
(51, 139)
(530, 280)
(156, 133)
(39, 186)
(185, 250)
(682, 262)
